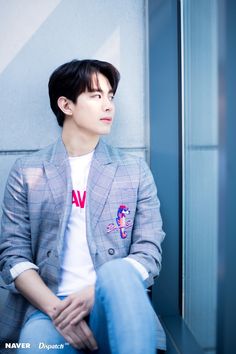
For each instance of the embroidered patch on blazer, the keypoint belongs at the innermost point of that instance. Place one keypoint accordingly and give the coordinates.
(122, 223)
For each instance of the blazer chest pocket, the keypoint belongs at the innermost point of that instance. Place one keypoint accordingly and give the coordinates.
(115, 231)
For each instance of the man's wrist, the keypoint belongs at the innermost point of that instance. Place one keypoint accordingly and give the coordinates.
(50, 309)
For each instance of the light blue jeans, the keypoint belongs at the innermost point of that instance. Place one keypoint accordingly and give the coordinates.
(122, 319)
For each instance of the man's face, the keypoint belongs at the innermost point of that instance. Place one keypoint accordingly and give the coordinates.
(93, 112)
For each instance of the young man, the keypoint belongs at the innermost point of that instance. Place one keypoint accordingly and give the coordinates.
(81, 231)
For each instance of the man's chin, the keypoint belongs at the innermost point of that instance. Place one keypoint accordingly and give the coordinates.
(105, 131)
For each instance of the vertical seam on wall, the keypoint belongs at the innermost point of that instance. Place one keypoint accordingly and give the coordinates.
(146, 83)
(183, 154)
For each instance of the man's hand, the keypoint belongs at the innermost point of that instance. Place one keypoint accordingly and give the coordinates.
(74, 308)
(79, 336)
(68, 319)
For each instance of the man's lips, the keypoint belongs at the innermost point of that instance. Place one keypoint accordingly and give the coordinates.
(106, 119)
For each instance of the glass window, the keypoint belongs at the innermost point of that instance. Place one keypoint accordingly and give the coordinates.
(200, 166)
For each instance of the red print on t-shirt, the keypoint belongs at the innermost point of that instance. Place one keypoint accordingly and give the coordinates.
(77, 200)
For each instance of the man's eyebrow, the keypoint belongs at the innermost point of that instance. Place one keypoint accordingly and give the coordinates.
(100, 90)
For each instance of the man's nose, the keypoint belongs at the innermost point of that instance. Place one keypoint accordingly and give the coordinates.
(108, 105)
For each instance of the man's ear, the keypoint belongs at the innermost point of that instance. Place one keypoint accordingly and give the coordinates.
(65, 105)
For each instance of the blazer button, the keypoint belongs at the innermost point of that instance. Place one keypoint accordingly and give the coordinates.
(111, 251)
(49, 253)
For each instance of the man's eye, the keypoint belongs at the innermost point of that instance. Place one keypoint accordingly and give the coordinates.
(111, 98)
(98, 95)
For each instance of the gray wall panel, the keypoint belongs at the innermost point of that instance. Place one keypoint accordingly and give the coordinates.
(117, 34)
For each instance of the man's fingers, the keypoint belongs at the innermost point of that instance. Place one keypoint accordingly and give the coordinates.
(63, 311)
(71, 319)
(90, 340)
(61, 307)
(77, 341)
(80, 336)
(67, 316)
(75, 320)
(62, 316)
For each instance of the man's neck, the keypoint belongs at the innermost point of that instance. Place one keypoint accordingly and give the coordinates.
(78, 143)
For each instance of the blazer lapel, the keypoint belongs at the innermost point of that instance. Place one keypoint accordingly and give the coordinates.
(101, 175)
(57, 183)
(57, 170)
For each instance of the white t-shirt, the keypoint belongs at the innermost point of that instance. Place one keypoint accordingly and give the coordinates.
(77, 270)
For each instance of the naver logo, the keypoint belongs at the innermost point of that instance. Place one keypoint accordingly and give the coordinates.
(17, 345)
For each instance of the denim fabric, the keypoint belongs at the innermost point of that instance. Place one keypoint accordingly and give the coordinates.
(122, 318)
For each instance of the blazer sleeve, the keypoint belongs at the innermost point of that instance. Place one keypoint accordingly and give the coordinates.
(15, 237)
(147, 233)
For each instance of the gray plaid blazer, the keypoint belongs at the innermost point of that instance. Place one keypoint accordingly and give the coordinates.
(36, 208)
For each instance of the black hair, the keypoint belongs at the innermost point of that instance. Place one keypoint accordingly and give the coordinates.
(75, 77)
